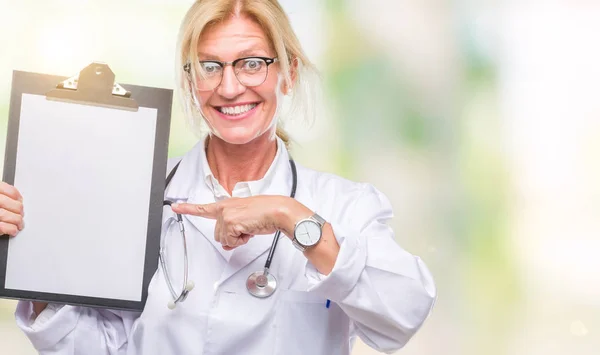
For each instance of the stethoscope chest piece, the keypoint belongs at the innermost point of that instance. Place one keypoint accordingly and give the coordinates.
(261, 284)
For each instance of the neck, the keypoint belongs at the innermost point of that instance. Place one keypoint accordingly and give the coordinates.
(233, 163)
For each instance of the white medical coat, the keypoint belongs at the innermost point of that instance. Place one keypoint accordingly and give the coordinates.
(378, 291)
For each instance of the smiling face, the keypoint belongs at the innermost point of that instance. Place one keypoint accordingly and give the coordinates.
(236, 113)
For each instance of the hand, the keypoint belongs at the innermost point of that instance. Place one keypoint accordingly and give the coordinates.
(11, 221)
(11, 210)
(239, 219)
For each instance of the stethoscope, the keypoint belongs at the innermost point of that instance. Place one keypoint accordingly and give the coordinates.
(261, 284)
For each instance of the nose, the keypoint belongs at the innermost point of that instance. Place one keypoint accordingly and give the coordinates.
(230, 86)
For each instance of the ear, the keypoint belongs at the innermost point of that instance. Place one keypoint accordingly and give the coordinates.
(293, 75)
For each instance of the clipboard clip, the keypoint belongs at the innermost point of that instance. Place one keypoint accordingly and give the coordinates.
(94, 85)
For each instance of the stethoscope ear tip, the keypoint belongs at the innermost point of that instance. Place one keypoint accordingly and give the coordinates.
(171, 305)
(189, 286)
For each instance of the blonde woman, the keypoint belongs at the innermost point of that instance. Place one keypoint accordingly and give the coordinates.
(337, 273)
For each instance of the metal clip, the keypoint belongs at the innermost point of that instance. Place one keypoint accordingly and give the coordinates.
(71, 84)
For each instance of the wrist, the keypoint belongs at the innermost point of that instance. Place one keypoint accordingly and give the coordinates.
(38, 307)
(289, 212)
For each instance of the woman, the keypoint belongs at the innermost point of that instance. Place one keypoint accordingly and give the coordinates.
(340, 274)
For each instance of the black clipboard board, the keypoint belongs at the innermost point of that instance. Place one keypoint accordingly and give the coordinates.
(93, 86)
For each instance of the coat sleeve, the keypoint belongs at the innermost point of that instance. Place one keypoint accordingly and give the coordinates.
(71, 330)
(386, 292)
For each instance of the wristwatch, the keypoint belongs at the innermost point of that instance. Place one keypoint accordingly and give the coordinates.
(308, 232)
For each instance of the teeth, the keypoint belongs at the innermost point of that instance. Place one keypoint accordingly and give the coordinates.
(237, 110)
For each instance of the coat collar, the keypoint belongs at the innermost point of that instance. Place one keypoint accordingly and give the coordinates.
(182, 183)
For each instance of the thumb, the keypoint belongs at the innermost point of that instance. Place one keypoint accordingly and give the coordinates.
(206, 211)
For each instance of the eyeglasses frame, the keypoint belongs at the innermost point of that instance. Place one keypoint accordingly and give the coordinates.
(188, 67)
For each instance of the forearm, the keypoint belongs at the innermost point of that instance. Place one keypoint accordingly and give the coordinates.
(324, 254)
(72, 330)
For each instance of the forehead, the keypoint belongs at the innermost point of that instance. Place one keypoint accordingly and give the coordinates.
(236, 36)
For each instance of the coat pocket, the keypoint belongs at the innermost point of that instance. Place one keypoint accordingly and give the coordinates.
(302, 297)
(305, 325)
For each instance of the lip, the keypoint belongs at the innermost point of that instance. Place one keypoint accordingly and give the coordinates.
(238, 117)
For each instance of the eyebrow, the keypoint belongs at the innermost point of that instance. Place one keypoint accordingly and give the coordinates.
(242, 54)
(251, 52)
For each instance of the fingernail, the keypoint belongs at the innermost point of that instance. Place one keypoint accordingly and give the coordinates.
(174, 205)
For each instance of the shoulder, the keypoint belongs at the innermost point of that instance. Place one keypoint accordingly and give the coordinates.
(329, 182)
(340, 197)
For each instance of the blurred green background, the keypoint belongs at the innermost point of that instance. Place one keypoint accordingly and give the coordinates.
(480, 120)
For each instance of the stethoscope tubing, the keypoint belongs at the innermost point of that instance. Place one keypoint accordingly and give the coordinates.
(278, 233)
(187, 286)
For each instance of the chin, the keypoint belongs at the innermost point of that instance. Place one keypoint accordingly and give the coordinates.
(237, 136)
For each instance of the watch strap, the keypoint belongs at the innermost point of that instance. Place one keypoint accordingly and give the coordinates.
(298, 245)
(318, 219)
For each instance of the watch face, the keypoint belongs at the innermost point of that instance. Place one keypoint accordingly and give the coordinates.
(308, 233)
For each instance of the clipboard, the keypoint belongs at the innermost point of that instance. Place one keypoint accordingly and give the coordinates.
(89, 157)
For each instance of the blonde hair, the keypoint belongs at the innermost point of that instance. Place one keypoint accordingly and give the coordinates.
(271, 17)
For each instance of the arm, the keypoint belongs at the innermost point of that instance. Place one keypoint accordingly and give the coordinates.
(387, 292)
(323, 255)
(38, 307)
(74, 330)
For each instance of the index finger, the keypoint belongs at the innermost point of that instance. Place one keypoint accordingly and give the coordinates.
(207, 211)
(10, 191)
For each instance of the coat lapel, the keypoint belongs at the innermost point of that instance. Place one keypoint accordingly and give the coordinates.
(188, 186)
(206, 226)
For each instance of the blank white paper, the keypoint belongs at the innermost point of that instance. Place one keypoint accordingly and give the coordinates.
(85, 176)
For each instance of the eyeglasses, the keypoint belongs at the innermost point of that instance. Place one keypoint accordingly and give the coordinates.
(249, 71)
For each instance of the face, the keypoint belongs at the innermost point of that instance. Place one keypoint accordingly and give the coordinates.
(236, 113)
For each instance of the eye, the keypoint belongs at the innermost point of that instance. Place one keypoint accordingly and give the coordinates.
(210, 68)
(253, 65)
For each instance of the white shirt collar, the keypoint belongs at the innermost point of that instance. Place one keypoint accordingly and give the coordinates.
(242, 188)
(193, 179)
